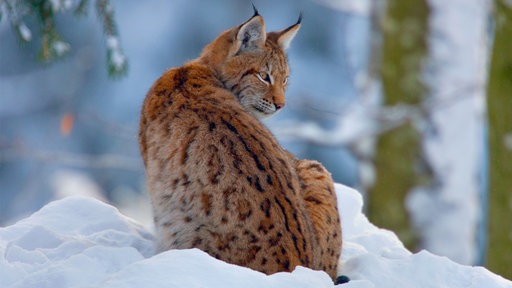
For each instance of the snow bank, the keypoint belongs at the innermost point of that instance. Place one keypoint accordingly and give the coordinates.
(82, 242)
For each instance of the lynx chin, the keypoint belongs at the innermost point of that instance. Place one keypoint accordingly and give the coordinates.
(217, 177)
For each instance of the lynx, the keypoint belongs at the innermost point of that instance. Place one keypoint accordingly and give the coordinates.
(218, 179)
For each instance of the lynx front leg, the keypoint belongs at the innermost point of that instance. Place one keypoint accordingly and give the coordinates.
(318, 191)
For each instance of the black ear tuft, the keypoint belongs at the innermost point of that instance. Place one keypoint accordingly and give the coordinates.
(300, 18)
(256, 13)
(285, 36)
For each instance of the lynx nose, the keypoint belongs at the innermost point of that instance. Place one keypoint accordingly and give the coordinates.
(279, 106)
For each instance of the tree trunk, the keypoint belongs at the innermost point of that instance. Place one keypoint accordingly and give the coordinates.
(404, 48)
(499, 257)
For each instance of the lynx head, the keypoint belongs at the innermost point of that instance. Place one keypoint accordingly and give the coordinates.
(252, 64)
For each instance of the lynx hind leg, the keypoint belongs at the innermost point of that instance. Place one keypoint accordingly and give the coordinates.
(317, 189)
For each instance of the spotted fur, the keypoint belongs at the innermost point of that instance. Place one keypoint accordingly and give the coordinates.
(218, 179)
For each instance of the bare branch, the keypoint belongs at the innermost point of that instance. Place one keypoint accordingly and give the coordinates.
(105, 161)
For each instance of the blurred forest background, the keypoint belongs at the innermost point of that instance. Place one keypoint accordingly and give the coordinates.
(408, 101)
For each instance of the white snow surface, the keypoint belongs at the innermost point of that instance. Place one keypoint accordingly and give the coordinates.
(83, 242)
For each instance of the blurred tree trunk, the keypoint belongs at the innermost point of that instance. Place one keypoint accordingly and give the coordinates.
(499, 257)
(404, 26)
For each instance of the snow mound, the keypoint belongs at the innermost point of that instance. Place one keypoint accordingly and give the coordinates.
(82, 242)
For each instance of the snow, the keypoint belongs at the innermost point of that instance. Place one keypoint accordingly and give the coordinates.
(61, 5)
(61, 48)
(360, 7)
(117, 57)
(82, 242)
(24, 32)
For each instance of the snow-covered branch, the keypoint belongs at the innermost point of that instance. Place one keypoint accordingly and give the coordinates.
(360, 120)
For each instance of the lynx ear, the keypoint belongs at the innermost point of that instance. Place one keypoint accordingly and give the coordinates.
(286, 36)
(251, 35)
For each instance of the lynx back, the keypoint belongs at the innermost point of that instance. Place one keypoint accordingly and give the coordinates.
(218, 179)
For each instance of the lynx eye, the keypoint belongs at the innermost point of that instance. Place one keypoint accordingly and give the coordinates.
(264, 77)
(285, 80)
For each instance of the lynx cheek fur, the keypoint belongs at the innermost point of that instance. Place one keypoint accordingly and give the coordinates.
(218, 179)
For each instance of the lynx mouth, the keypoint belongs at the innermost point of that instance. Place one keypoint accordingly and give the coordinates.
(265, 110)
(258, 107)
(259, 112)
